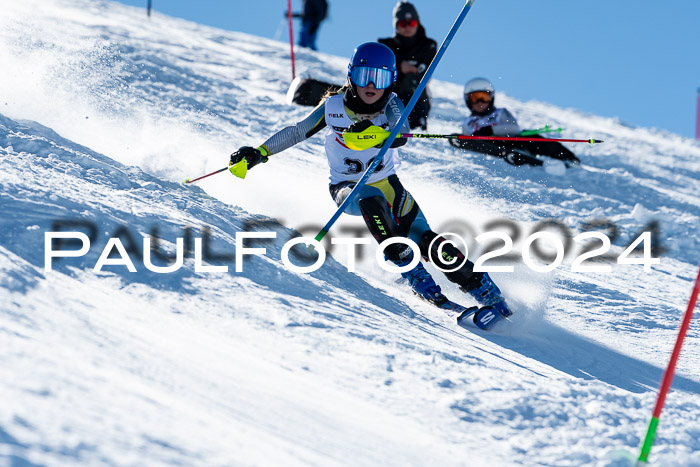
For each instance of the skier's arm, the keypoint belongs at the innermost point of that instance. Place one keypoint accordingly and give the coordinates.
(466, 129)
(283, 139)
(291, 135)
(479, 125)
(506, 124)
(500, 122)
(393, 112)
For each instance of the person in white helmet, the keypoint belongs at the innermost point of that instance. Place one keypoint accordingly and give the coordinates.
(488, 120)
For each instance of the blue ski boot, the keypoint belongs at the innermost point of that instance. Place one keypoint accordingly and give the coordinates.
(423, 284)
(495, 308)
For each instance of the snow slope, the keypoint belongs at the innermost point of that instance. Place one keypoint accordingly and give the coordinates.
(103, 113)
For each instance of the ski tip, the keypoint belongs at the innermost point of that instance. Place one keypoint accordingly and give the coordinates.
(187, 181)
(486, 316)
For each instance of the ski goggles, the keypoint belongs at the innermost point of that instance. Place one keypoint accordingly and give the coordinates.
(405, 23)
(363, 75)
(476, 96)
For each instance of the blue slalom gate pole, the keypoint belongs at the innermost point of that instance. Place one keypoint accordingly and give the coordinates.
(404, 116)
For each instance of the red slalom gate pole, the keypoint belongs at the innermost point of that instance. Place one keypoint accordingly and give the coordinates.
(668, 376)
(697, 119)
(291, 35)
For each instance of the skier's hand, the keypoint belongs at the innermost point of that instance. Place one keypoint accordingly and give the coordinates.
(253, 156)
(359, 127)
(485, 131)
(408, 67)
(479, 127)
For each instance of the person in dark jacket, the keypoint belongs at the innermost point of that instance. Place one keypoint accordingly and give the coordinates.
(314, 12)
(414, 51)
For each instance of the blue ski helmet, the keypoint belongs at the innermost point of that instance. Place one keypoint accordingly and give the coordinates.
(374, 63)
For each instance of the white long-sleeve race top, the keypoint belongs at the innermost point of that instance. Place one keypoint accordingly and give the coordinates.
(345, 164)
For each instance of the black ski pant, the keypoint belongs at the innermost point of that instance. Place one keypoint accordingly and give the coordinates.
(389, 210)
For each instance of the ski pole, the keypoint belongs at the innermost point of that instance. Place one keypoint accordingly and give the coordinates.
(697, 119)
(544, 129)
(498, 138)
(291, 35)
(404, 116)
(375, 135)
(278, 32)
(668, 376)
(238, 169)
(189, 180)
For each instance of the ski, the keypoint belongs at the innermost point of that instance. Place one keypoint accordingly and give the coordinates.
(483, 317)
(486, 317)
(520, 157)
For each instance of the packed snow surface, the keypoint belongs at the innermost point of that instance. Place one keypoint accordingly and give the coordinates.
(104, 112)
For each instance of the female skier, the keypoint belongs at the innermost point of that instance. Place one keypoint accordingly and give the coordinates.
(387, 208)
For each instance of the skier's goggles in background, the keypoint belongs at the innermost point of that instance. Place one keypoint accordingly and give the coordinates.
(363, 75)
(404, 23)
(483, 96)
